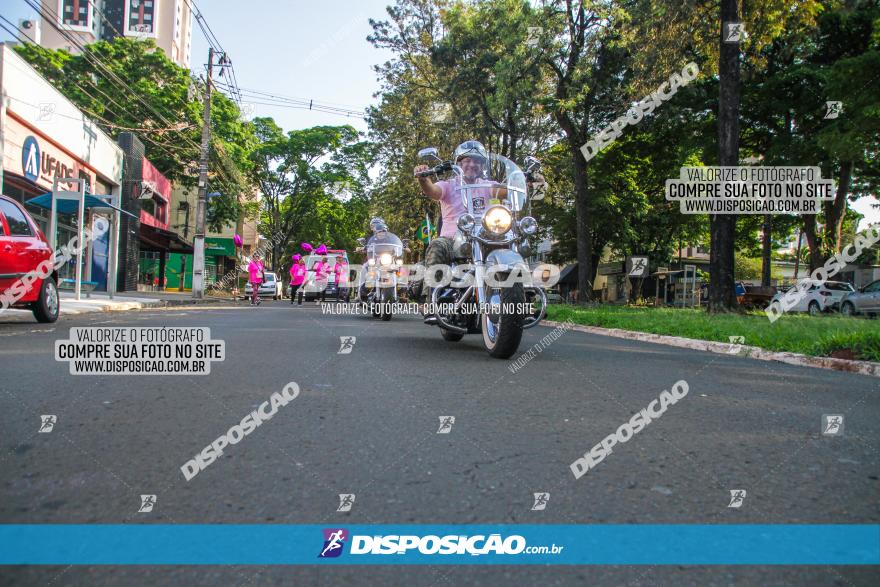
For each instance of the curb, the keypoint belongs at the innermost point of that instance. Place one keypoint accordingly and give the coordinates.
(128, 306)
(724, 348)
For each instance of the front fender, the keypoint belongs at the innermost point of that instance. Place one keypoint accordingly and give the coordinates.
(504, 260)
(502, 265)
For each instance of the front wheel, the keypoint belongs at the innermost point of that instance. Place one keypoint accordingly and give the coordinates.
(502, 332)
(386, 298)
(47, 306)
(814, 309)
(848, 309)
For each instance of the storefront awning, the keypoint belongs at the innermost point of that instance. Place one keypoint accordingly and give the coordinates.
(157, 239)
(72, 206)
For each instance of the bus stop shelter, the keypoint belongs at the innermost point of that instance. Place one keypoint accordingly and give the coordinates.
(77, 202)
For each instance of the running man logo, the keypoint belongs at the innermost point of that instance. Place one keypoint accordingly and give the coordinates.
(541, 500)
(346, 501)
(832, 424)
(737, 496)
(639, 266)
(833, 109)
(734, 32)
(30, 159)
(736, 343)
(346, 345)
(147, 503)
(334, 542)
(47, 423)
(534, 37)
(446, 423)
(46, 110)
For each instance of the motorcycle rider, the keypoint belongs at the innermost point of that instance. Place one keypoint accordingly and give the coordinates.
(473, 159)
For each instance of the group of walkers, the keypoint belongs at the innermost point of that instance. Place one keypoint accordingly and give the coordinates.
(323, 268)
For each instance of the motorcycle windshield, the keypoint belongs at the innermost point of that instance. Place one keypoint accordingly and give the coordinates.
(499, 181)
(385, 242)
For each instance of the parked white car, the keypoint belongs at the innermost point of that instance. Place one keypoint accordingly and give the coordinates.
(270, 288)
(819, 298)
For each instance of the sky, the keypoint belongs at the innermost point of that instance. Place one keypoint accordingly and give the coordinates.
(305, 49)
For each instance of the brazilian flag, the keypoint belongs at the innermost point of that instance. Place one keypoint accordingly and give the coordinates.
(427, 231)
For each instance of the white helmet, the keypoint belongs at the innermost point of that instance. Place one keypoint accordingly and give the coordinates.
(473, 149)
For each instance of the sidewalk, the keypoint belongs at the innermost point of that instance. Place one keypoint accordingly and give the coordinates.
(99, 302)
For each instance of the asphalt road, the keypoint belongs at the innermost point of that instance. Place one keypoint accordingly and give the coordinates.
(366, 423)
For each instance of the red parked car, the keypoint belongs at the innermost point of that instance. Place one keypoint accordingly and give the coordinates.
(23, 246)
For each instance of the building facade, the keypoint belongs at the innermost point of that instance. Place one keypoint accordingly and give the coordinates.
(43, 136)
(167, 22)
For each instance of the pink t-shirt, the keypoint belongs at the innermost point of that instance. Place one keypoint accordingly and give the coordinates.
(254, 268)
(297, 274)
(340, 270)
(451, 206)
(321, 270)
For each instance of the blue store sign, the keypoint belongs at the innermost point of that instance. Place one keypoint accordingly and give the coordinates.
(30, 159)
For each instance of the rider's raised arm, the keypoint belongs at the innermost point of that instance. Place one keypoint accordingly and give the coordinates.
(428, 187)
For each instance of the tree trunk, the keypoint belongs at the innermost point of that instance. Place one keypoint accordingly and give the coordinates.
(814, 241)
(836, 210)
(584, 234)
(766, 250)
(722, 291)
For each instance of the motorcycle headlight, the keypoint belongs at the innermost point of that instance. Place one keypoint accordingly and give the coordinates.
(371, 261)
(497, 220)
(466, 223)
(528, 225)
(386, 259)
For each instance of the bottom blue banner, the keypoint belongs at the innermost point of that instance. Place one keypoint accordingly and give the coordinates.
(232, 544)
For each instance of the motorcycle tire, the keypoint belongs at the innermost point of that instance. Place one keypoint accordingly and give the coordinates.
(508, 330)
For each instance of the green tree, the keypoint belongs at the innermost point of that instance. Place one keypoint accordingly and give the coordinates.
(128, 85)
(313, 184)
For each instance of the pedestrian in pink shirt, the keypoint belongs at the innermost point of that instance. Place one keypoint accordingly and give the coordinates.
(297, 277)
(340, 271)
(255, 272)
(322, 271)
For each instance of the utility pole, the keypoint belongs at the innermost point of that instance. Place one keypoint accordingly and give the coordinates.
(198, 281)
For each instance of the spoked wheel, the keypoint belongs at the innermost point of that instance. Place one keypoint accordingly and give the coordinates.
(502, 331)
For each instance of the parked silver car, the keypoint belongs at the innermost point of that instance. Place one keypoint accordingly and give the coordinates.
(864, 301)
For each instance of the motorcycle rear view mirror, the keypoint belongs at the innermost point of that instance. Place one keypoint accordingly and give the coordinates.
(532, 164)
(429, 153)
(362, 241)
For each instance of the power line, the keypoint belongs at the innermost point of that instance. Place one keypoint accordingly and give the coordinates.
(214, 42)
(296, 103)
(108, 74)
(98, 119)
(350, 107)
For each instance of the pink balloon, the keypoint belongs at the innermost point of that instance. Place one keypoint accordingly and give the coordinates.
(237, 240)
(296, 258)
(322, 250)
(307, 247)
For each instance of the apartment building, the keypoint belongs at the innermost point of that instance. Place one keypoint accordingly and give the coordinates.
(167, 22)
